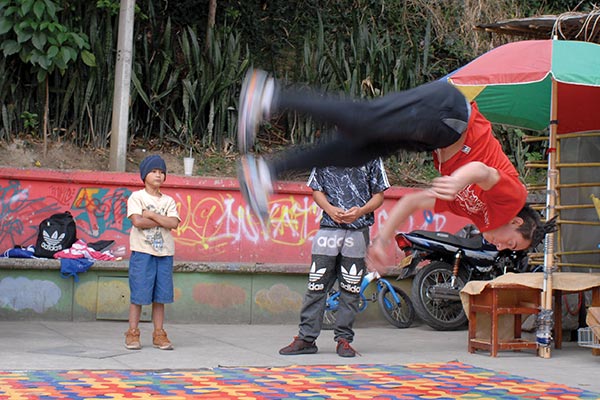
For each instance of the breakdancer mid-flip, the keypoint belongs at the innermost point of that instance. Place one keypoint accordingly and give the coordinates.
(477, 180)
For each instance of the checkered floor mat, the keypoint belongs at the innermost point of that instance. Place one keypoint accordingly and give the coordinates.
(451, 380)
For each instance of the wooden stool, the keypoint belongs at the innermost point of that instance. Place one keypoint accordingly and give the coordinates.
(493, 302)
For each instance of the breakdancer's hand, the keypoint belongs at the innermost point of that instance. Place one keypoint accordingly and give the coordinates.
(475, 172)
(447, 187)
(377, 255)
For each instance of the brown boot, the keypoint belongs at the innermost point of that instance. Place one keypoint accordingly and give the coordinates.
(132, 339)
(160, 340)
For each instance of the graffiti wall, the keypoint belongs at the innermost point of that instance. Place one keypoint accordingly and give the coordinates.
(216, 224)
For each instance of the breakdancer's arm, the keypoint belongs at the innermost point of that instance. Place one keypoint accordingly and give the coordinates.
(443, 188)
(403, 209)
(476, 172)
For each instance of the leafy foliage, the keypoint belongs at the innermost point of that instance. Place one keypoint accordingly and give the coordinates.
(185, 93)
(30, 29)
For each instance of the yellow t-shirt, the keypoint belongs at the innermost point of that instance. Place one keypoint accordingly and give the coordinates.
(157, 241)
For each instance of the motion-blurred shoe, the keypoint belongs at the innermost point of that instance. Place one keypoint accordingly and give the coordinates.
(255, 102)
(256, 186)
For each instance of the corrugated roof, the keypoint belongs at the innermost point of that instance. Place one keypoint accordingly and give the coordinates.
(571, 26)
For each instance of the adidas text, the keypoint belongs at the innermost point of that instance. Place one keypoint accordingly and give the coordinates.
(350, 288)
(315, 287)
(335, 242)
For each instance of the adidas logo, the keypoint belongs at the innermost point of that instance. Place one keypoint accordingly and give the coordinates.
(351, 279)
(52, 242)
(314, 275)
(352, 276)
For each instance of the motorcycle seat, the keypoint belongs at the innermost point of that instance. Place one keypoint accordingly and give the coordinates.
(473, 243)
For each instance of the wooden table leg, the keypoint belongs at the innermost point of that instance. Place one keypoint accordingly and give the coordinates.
(557, 319)
(494, 325)
(472, 325)
(518, 326)
(596, 303)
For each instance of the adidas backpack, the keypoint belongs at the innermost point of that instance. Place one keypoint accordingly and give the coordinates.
(56, 233)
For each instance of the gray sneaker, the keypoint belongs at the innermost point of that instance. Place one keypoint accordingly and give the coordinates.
(299, 346)
(256, 186)
(255, 102)
(344, 349)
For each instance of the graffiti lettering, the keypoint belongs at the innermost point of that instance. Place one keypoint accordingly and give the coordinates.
(102, 210)
(291, 222)
(216, 224)
(20, 214)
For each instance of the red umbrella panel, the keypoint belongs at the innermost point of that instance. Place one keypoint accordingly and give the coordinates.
(512, 84)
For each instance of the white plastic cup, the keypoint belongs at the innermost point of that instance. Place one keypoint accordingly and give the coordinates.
(119, 251)
(188, 166)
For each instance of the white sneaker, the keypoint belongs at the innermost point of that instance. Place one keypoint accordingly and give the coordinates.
(256, 98)
(256, 186)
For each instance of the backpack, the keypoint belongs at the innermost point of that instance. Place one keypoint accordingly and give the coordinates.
(55, 233)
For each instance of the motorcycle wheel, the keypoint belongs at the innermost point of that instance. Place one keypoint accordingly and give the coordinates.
(401, 314)
(441, 315)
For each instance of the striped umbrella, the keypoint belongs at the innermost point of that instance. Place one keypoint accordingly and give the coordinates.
(516, 84)
(538, 84)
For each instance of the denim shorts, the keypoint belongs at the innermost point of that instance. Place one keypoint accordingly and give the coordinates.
(150, 278)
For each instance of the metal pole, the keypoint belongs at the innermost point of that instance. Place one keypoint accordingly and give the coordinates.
(545, 316)
(120, 113)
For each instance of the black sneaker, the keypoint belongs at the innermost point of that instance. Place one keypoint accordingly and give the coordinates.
(299, 346)
(344, 349)
(256, 186)
(255, 102)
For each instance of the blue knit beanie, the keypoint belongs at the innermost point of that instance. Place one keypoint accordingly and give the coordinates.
(152, 162)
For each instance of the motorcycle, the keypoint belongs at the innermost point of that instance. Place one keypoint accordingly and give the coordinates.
(442, 263)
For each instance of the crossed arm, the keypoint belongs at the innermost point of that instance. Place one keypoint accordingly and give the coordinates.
(151, 219)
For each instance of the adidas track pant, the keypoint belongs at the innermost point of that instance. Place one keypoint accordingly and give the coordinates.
(337, 255)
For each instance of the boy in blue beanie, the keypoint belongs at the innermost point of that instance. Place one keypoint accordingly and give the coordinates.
(153, 215)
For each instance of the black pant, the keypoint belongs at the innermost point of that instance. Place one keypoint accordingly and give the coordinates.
(425, 118)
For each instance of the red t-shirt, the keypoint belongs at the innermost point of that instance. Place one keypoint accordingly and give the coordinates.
(497, 206)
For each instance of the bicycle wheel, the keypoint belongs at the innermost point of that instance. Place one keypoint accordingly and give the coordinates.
(328, 319)
(400, 314)
(329, 315)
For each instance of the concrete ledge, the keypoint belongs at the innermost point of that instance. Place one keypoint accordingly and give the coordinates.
(179, 266)
(227, 293)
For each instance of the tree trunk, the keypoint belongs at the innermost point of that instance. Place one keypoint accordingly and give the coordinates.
(46, 112)
(212, 10)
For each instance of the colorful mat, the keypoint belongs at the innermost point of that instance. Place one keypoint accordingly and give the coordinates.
(452, 380)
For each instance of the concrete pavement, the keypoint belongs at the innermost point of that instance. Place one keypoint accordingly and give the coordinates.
(51, 345)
